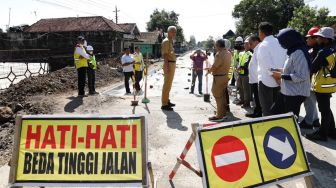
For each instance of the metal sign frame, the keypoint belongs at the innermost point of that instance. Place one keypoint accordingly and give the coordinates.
(230, 125)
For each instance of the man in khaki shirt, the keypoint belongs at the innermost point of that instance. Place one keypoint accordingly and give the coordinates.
(169, 66)
(220, 70)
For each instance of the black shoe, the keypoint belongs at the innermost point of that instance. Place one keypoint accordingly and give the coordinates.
(332, 136)
(200, 93)
(316, 136)
(316, 123)
(167, 108)
(171, 104)
(191, 92)
(254, 115)
(304, 125)
(93, 93)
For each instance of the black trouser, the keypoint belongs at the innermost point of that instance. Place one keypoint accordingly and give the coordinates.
(285, 104)
(128, 75)
(327, 117)
(81, 72)
(199, 75)
(267, 96)
(138, 77)
(254, 90)
(227, 99)
(91, 79)
(233, 80)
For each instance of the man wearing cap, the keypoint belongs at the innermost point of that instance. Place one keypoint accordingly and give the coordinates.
(169, 65)
(198, 58)
(311, 119)
(81, 63)
(243, 79)
(323, 83)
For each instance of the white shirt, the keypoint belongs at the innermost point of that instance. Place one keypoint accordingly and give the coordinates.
(270, 55)
(82, 52)
(253, 67)
(127, 59)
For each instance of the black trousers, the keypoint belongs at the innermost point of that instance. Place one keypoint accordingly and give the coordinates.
(81, 72)
(285, 104)
(255, 93)
(327, 117)
(233, 80)
(91, 79)
(127, 75)
(267, 96)
(199, 75)
(138, 78)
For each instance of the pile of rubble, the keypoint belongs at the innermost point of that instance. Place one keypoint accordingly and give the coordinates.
(16, 99)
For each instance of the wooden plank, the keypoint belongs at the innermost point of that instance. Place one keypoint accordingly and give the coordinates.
(16, 148)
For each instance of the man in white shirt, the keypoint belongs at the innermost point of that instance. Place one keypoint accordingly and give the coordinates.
(127, 63)
(270, 56)
(254, 42)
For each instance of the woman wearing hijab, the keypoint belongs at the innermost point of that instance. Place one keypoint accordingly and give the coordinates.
(220, 70)
(295, 75)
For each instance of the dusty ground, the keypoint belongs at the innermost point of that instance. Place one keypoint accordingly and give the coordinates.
(169, 131)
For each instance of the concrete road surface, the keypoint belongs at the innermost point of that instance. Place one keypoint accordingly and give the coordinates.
(169, 131)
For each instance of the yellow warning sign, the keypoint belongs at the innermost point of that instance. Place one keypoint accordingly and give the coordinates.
(279, 148)
(251, 153)
(230, 157)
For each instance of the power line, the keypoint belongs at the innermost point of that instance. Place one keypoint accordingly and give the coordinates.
(65, 7)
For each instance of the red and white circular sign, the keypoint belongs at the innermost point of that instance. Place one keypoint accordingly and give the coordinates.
(230, 159)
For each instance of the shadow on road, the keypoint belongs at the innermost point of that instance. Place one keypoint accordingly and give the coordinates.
(74, 103)
(325, 171)
(174, 120)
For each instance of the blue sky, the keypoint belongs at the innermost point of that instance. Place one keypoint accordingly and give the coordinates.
(198, 17)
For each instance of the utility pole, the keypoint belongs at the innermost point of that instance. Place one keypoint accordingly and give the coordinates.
(9, 18)
(116, 16)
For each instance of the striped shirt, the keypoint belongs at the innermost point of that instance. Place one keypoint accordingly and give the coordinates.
(296, 67)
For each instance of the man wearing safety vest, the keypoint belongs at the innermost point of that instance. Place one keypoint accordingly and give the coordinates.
(238, 47)
(324, 83)
(92, 71)
(81, 64)
(138, 68)
(243, 79)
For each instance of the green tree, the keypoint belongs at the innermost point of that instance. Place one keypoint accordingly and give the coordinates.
(306, 17)
(250, 13)
(209, 43)
(162, 20)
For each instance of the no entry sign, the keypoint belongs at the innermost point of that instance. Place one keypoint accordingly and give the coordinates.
(230, 158)
(251, 153)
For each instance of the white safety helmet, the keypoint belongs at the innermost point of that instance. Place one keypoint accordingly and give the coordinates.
(239, 39)
(227, 44)
(89, 48)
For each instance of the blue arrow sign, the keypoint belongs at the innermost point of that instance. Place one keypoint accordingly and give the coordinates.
(279, 147)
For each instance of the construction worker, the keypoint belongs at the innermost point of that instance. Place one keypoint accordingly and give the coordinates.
(127, 63)
(139, 66)
(81, 63)
(238, 47)
(311, 119)
(323, 83)
(198, 58)
(91, 71)
(169, 65)
(243, 79)
(220, 70)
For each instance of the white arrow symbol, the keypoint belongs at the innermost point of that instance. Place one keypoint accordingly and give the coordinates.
(282, 147)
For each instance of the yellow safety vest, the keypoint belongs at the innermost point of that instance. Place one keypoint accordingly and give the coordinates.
(243, 60)
(322, 81)
(138, 62)
(234, 60)
(80, 61)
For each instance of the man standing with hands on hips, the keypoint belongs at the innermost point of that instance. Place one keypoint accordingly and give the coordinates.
(169, 65)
